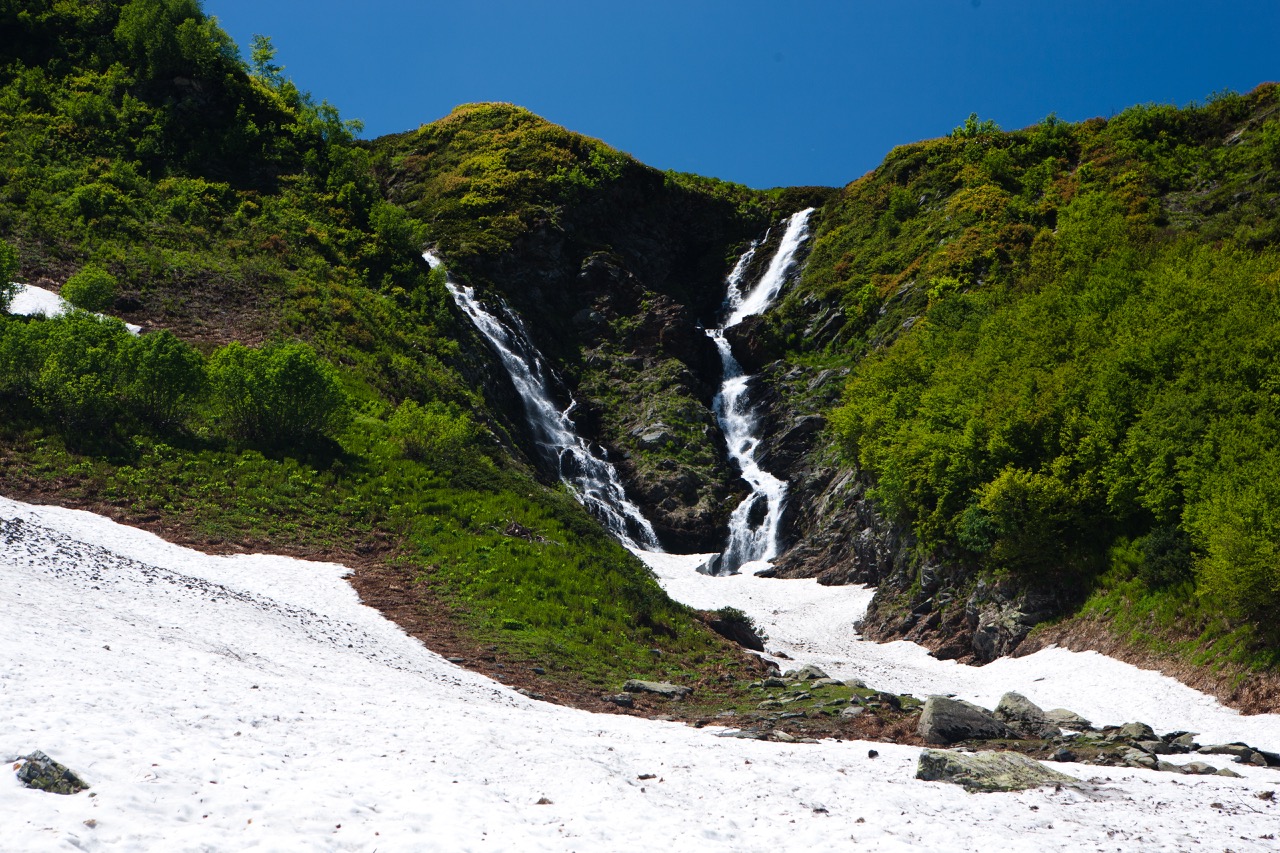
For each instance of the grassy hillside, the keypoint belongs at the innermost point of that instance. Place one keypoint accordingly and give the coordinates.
(313, 390)
(1062, 346)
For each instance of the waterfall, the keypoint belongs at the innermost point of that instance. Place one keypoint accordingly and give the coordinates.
(590, 477)
(754, 524)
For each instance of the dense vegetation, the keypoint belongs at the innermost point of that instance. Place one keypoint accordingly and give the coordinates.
(1063, 351)
(300, 380)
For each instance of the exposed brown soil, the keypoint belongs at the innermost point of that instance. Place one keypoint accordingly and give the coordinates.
(1249, 692)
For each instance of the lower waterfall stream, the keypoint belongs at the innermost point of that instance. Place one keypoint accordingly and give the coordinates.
(591, 477)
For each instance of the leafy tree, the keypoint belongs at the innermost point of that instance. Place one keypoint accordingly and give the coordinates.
(91, 289)
(973, 128)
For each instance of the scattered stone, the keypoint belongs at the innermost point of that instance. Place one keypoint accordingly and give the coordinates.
(945, 721)
(827, 682)
(1064, 754)
(851, 712)
(1156, 747)
(1133, 732)
(1062, 718)
(873, 753)
(622, 700)
(658, 688)
(1167, 767)
(1199, 768)
(743, 735)
(809, 672)
(1025, 716)
(988, 771)
(775, 681)
(781, 736)
(856, 683)
(543, 801)
(41, 772)
(1185, 740)
(1137, 758)
(1227, 771)
(770, 705)
(1239, 750)
(531, 694)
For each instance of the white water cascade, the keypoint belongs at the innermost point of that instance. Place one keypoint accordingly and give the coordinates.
(754, 524)
(592, 478)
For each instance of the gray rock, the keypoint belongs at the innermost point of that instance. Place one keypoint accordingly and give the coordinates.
(781, 736)
(775, 681)
(1062, 718)
(659, 688)
(41, 772)
(1025, 716)
(1227, 771)
(1156, 747)
(806, 673)
(743, 735)
(1238, 750)
(851, 712)
(988, 771)
(1199, 768)
(827, 682)
(770, 705)
(622, 700)
(1133, 731)
(1168, 767)
(1137, 758)
(946, 721)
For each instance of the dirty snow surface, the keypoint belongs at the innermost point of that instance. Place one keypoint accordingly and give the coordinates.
(251, 703)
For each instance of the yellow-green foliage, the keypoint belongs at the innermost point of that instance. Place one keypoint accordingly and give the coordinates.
(484, 174)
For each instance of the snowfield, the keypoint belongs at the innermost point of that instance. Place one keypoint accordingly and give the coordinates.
(252, 703)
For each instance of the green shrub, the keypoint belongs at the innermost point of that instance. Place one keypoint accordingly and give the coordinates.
(166, 379)
(80, 370)
(436, 434)
(280, 394)
(92, 289)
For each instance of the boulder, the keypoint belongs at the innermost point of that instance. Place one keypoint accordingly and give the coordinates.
(43, 773)
(1064, 719)
(1133, 732)
(946, 721)
(807, 673)
(658, 688)
(988, 771)
(1024, 716)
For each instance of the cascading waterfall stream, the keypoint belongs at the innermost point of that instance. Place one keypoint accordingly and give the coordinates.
(592, 478)
(754, 524)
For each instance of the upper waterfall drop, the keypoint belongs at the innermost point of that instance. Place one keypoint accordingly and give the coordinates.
(590, 477)
(754, 524)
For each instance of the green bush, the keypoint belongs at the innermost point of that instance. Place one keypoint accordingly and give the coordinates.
(166, 379)
(92, 289)
(436, 434)
(81, 366)
(280, 394)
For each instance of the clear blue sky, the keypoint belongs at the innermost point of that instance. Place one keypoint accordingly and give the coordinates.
(764, 93)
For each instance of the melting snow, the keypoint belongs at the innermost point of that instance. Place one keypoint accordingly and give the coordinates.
(31, 301)
(251, 703)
